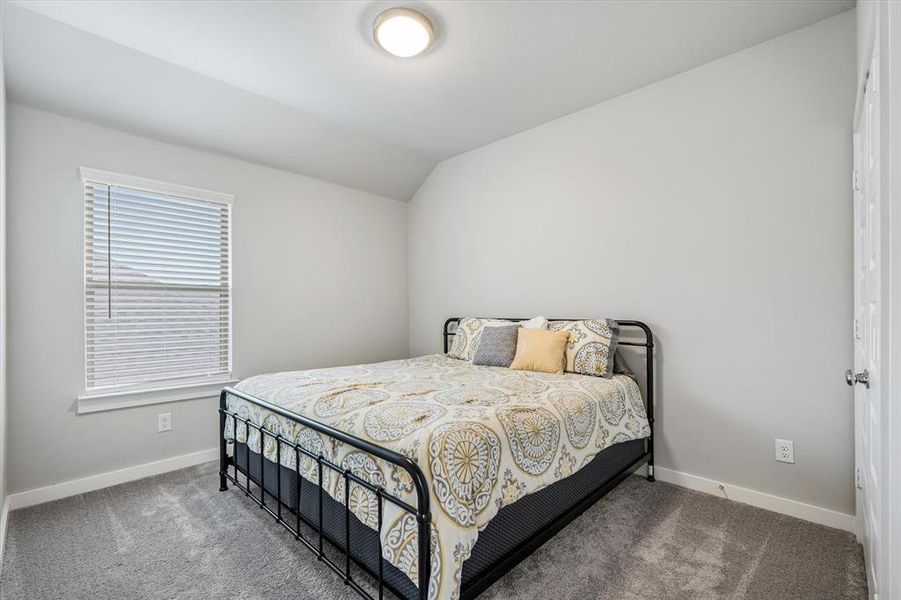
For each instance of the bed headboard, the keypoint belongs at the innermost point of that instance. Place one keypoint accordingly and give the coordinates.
(626, 324)
(633, 334)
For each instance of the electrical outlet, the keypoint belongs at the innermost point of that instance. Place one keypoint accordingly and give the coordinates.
(785, 451)
(165, 422)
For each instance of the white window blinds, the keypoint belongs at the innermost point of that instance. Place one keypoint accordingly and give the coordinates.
(157, 287)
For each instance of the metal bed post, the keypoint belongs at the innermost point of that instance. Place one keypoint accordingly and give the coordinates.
(223, 444)
(649, 361)
(425, 548)
(649, 385)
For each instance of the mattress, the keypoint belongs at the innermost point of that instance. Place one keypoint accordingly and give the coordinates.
(513, 525)
(485, 437)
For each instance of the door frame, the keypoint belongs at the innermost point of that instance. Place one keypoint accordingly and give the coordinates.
(891, 72)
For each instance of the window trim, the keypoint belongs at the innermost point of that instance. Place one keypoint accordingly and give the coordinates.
(114, 398)
(153, 185)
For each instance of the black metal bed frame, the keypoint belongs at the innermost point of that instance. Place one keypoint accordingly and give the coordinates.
(421, 512)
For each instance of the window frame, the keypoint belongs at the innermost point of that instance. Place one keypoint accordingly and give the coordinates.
(154, 392)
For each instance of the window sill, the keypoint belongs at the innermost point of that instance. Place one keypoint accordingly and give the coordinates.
(115, 399)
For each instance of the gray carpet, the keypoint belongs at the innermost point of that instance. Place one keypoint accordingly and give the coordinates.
(176, 536)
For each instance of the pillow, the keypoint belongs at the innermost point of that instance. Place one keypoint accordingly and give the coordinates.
(497, 346)
(591, 346)
(540, 350)
(536, 323)
(619, 364)
(467, 334)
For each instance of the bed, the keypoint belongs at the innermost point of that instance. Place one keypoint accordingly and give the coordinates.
(433, 461)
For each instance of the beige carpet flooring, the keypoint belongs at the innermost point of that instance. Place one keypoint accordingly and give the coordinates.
(177, 536)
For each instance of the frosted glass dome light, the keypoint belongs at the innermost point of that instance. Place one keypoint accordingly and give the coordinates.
(403, 32)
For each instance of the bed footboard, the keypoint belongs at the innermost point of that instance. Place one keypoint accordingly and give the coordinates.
(291, 517)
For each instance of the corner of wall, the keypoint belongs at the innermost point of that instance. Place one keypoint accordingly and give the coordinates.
(406, 271)
(407, 208)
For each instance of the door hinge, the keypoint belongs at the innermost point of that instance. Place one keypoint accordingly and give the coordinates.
(855, 180)
(858, 480)
(856, 329)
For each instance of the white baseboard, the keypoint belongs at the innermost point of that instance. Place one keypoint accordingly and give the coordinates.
(785, 506)
(793, 508)
(103, 480)
(4, 519)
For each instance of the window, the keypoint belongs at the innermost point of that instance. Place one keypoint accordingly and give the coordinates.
(157, 292)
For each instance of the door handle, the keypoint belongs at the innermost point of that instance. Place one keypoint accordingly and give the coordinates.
(863, 377)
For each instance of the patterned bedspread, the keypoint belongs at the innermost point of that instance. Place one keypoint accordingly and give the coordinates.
(483, 436)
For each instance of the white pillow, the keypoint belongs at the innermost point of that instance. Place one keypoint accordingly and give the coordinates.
(536, 323)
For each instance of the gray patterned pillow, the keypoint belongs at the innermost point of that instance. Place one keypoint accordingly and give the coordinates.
(468, 332)
(497, 346)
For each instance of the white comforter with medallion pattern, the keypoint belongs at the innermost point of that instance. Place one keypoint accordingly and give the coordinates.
(483, 436)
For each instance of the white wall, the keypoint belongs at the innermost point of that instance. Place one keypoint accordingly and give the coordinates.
(319, 280)
(715, 205)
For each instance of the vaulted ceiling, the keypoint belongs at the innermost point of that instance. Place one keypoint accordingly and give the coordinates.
(302, 87)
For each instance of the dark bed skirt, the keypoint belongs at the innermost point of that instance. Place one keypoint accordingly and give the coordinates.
(513, 526)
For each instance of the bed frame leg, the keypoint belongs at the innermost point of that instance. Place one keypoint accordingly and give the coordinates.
(223, 447)
(649, 384)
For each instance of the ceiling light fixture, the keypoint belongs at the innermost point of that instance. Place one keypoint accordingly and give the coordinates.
(403, 32)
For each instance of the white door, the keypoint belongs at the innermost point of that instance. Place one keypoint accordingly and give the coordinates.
(868, 327)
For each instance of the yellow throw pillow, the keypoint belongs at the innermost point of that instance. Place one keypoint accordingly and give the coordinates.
(540, 350)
